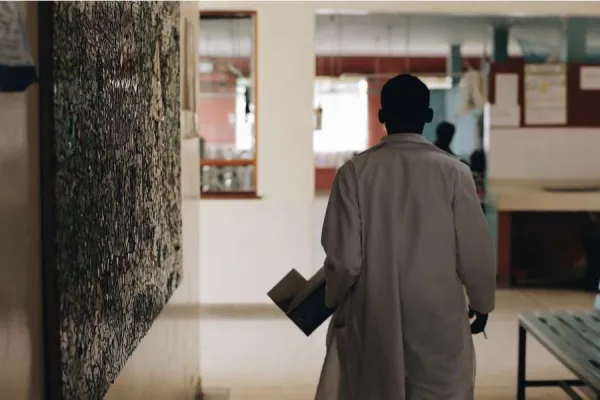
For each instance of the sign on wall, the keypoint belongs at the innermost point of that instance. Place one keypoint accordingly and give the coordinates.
(589, 78)
(545, 94)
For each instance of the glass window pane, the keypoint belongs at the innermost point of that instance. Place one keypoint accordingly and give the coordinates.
(344, 116)
(226, 103)
(226, 106)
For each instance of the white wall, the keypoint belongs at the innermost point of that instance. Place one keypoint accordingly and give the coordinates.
(21, 351)
(544, 153)
(319, 208)
(247, 245)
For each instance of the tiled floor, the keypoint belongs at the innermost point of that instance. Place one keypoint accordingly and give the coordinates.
(267, 358)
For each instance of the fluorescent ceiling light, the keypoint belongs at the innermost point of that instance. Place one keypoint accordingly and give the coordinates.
(341, 12)
(437, 82)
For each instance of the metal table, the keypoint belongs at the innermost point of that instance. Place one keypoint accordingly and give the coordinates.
(573, 338)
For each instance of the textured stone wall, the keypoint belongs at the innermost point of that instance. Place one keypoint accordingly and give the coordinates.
(117, 182)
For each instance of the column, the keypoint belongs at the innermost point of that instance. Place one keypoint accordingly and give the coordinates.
(376, 129)
(454, 64)
(500, 44)
(573, 49)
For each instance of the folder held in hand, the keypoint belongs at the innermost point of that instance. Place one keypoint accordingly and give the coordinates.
(303, 301)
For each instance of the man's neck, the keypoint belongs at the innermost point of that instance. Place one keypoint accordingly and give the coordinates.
(405, 132)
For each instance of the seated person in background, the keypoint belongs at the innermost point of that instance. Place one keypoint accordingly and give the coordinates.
(444, 135)
(478, 161)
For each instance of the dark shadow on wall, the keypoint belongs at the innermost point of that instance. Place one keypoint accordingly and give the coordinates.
(110, 184)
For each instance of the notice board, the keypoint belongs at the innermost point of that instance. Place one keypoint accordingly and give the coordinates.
(582, 94)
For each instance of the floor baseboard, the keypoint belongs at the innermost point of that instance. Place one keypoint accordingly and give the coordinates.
(195, 310)
(240, 310)
(214, 394)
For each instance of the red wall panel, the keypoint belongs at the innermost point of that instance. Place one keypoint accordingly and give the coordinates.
(213, 118)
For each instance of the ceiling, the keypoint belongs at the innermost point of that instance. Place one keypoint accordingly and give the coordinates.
(392, 34)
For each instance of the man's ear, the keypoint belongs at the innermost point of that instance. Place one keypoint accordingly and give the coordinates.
(429, 115)
(381, 117)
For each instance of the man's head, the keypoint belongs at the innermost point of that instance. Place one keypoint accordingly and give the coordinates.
(405, 105)
(445, 133)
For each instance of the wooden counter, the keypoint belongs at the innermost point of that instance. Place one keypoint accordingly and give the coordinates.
(527, 195)
(542, 231)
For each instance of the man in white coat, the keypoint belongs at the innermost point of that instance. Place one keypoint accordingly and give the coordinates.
(403, 233)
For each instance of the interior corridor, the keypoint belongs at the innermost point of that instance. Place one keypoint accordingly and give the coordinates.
(159, 177)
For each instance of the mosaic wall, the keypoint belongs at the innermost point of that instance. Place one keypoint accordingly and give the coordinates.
(117, 182)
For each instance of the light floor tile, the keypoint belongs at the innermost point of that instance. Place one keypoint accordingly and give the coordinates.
(268, 358)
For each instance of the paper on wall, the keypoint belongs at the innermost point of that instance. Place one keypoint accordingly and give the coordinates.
(505, 115)
(545, 94)
(546, 116)
(507, 89)
(589, 78)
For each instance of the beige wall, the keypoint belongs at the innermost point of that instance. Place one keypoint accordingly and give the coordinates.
(21, 359)
(272, 235)
(166, 365)
(281, 231)
(544, 153)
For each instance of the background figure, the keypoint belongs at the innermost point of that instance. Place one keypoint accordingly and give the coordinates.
(478, 168)
(444, 135)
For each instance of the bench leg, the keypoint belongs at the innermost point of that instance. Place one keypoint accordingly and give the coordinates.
(521, 363)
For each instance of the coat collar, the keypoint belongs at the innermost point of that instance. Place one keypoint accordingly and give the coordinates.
(404, 138)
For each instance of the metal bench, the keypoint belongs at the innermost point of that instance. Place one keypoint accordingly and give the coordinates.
(573, 338)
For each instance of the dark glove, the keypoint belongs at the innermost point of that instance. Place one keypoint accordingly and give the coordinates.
(480, 322)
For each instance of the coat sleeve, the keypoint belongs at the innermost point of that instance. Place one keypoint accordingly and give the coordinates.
(474, 244)
(341, 237)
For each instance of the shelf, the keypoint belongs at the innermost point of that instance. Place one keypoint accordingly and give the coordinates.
(228, 163)
(229, 195)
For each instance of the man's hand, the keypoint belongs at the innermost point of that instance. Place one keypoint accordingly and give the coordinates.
(477, 326)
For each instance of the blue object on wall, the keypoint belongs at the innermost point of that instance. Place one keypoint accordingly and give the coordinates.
(17, 71)
(500, 39)
(574, 41)
(535, 52)
(454, 64)
(593, 55)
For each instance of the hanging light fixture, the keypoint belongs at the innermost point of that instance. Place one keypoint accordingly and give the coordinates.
(318, 111)
(318, 117)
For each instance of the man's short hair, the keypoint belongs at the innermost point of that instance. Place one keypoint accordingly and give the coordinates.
(405, 97)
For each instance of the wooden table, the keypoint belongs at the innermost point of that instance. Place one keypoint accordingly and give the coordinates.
(511, 197)
(573, 338)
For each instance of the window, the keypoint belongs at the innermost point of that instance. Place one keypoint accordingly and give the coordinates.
(437, 82)
(341, 119)
(244, 118)
(227, 104)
